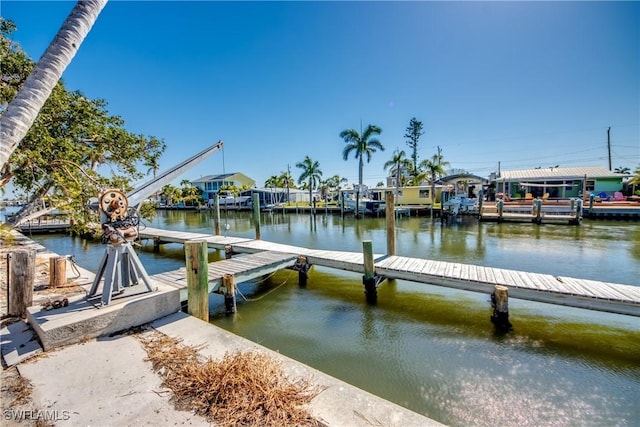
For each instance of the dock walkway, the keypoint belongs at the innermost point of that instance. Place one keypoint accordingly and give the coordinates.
(568, 291)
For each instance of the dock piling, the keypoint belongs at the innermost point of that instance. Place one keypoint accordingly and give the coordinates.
(228, 251)
(256, 214)
(302, 266)
(229, 285)
(369, 278)
(500, 304)
(216, 214)
(22, 274)
(197, 279)
(391, 223)
(57, 271)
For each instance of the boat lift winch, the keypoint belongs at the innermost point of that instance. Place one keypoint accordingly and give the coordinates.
(120, 266)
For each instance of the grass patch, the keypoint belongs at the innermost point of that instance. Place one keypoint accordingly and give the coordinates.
(244, 388)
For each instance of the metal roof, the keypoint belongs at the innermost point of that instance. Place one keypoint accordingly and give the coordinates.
(220, 177)
(576, 172)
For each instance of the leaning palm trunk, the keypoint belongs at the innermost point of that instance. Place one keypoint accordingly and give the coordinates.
(23, 109)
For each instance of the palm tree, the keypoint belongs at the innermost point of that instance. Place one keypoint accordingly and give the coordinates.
(363, 145)
(311, 173)
(398, 162)
(25, 106)
(434, 167)
(622, 170)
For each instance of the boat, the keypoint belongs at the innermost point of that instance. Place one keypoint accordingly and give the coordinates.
(366, 205)
(458, 203)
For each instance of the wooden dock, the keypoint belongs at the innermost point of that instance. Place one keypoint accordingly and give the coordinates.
(567, 291)
(243, 268)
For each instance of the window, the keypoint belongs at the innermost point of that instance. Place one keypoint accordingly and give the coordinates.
(424, 194)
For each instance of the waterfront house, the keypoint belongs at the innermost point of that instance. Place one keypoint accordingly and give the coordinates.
(559, 182)
(269, 196)
(465, 183)
(211, 184)
(414, 195)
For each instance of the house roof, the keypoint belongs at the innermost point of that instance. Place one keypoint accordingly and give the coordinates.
(576, 172)
(221, 177)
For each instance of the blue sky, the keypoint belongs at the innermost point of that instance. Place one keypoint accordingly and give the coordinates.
(526, 84)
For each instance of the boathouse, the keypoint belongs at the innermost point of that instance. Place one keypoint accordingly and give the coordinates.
(559, 182)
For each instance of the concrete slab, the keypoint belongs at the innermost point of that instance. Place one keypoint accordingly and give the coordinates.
(103, 382)
(340, 404)
(84, 319)
(19, 343)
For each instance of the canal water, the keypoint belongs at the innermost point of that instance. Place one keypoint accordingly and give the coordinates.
(430, 349)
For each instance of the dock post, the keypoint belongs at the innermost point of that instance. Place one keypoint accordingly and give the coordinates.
(537, 211)
(391, 223)
(500, 204)
(21, 278)
(500, 304)
(216, 214)
(229, 285)
(256, 214)
(369, 278)
(480, 203)
(156, 244)
(578, 209)
(197, 279)
(228, 251)
(302, 267)
(57, 271)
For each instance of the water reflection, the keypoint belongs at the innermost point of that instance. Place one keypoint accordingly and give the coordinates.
(433, 349)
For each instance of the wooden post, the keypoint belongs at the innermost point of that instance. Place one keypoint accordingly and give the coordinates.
(500, 209)
(391, 223)
(228, 251)
(229, 285)
(156, 244)
(500, 304)
(57, 271)
(578, 209)
(216, 214)
(197, 279)
(537, 211)
(256, 214)
(302, 266)
(369, 278)
(21, 278)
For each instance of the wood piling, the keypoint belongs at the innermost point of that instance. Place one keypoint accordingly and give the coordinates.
(229, 290)
(500, 304)
(197, 279)
(22, 274)
(228, 251)
(57, 271)
(302, 266)
(391, 223)
(369, 278)
(216, 214)
(256, 214)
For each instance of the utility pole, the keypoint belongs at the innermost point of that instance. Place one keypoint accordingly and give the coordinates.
(609, 145)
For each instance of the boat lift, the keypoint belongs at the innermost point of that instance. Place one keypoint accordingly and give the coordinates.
(120, 266)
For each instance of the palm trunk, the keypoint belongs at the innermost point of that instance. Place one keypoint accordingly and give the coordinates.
(24, 108)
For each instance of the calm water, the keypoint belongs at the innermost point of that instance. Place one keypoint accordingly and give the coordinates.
(431, 349)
